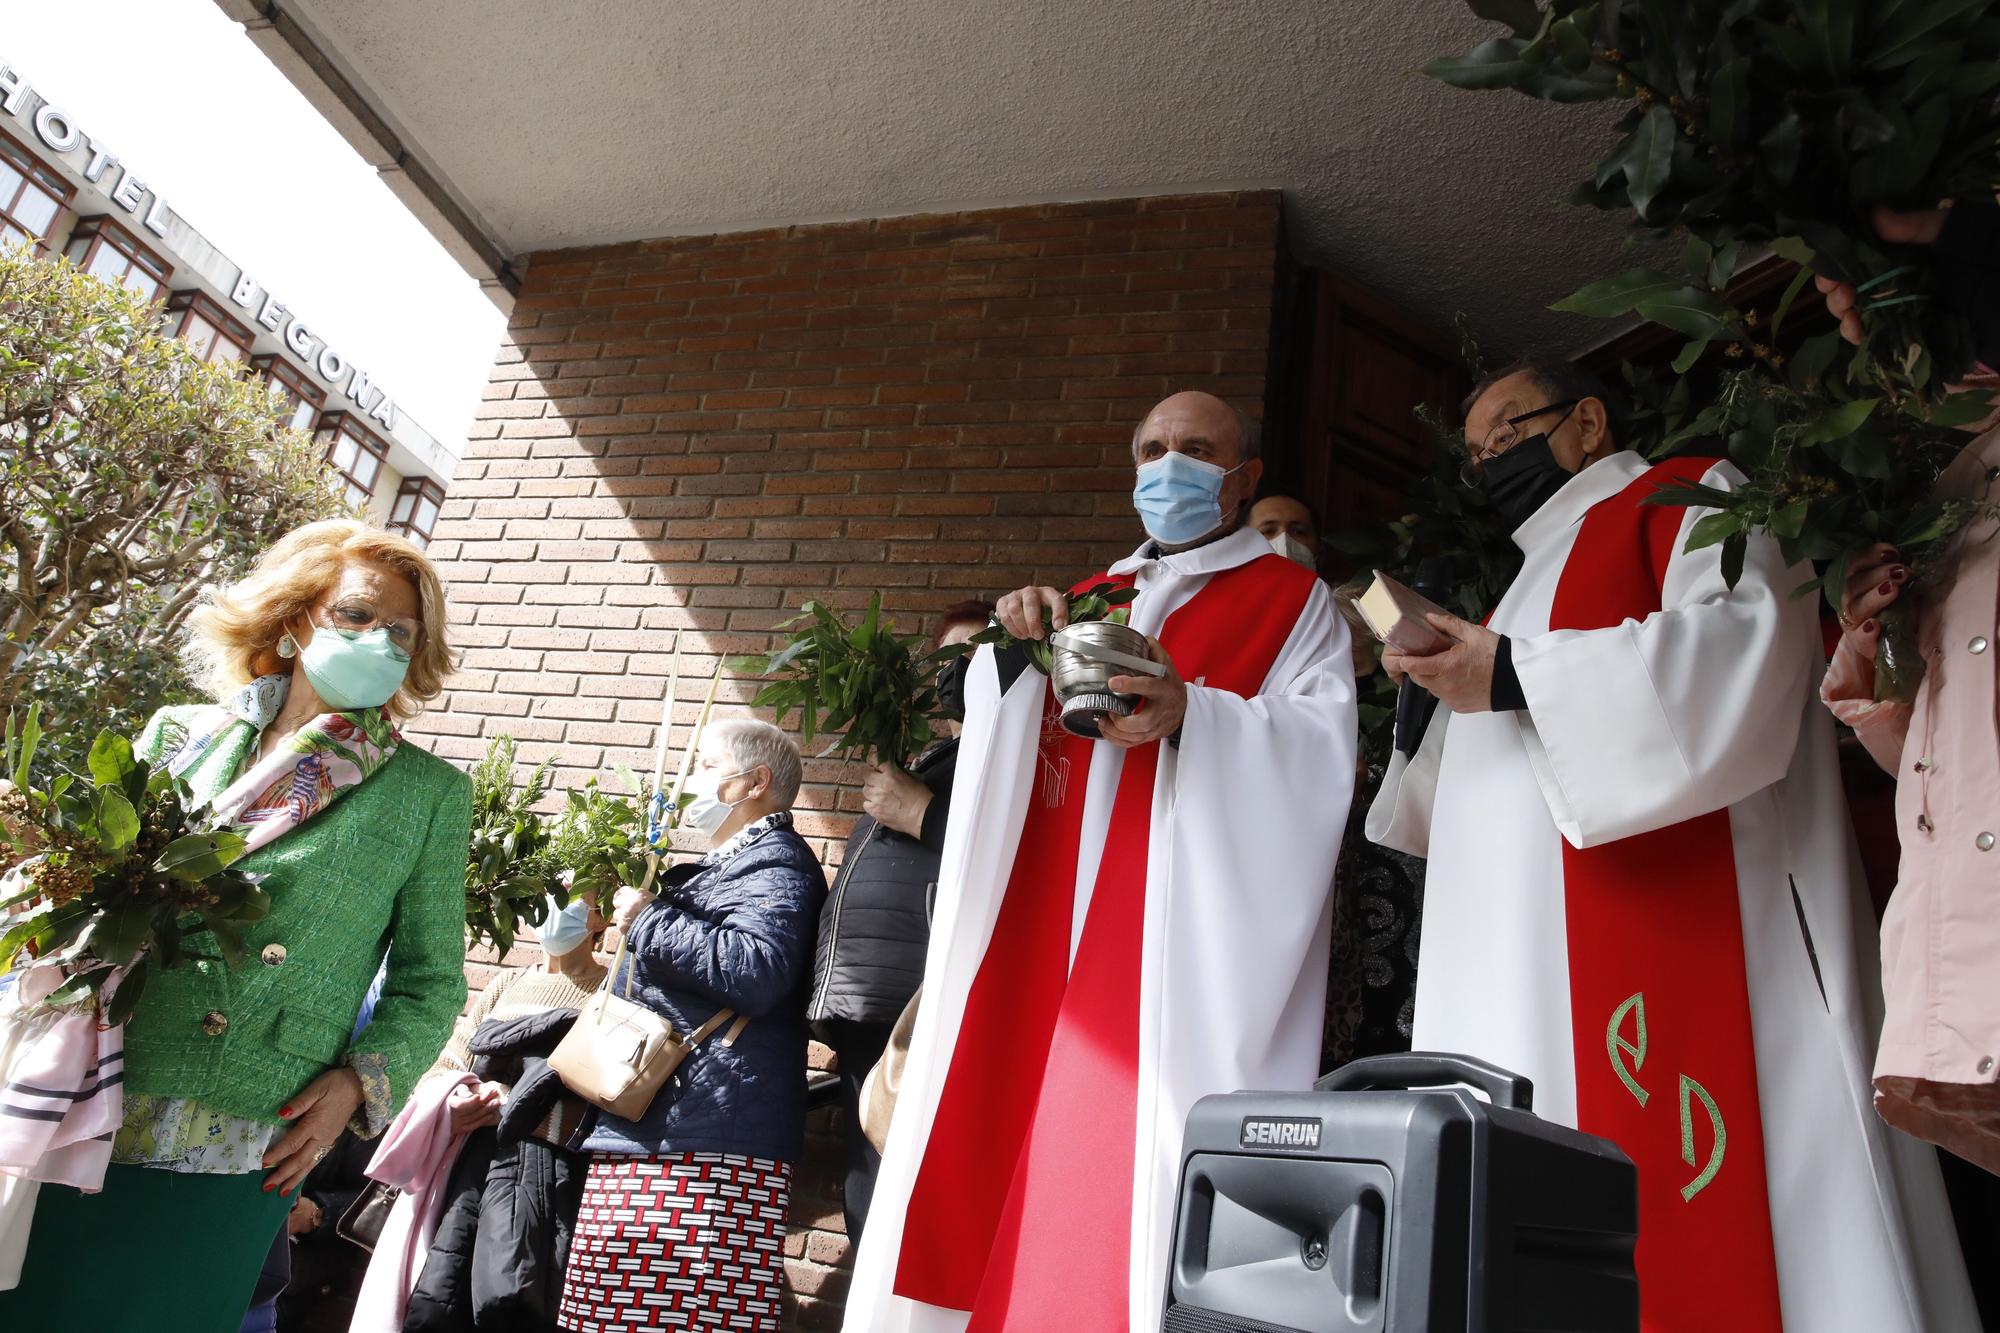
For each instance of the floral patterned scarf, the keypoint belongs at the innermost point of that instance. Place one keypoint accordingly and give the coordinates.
(309, 772)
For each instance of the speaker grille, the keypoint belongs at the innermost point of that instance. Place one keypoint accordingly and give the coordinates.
(1195, 1319)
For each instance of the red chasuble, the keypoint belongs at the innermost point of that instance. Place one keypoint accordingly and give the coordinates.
(1022, 1208)
(1660, 1004)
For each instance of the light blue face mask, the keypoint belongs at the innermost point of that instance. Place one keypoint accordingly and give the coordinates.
(1179, 498)
(352, 671)
(566, 930)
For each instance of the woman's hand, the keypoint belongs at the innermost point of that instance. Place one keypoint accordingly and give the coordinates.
(895, 798)
(1842, 302)
(317, 1115)
(475, 1107)
(626, 907)
(1874, 581)
(305, 1217)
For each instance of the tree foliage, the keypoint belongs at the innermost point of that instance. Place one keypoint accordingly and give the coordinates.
(132, 476)
(1779, 126)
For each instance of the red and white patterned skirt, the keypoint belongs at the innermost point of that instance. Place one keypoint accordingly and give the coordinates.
(685, 1240)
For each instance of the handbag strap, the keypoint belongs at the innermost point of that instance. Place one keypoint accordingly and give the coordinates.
(716, 1020)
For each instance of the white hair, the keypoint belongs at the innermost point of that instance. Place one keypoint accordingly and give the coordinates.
(751, 744)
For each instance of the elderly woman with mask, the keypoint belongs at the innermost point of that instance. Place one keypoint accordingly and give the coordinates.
(239, 1079)
(687, 1202)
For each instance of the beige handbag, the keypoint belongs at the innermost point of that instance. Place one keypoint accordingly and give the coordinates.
(885, 1080)
(619, 1054)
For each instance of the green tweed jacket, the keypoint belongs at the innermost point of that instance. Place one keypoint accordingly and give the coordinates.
(381, 869)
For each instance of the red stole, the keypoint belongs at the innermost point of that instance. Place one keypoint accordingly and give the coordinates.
(1037, 1119)
(1659, 1000)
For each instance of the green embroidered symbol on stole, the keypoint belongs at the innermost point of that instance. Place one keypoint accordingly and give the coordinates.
(1709, 1172)
(1617, 1048)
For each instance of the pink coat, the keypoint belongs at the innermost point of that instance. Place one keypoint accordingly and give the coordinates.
(1937, 1074)
(415, 1156)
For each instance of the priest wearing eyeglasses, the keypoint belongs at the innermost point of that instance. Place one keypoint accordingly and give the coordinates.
(1642, 890)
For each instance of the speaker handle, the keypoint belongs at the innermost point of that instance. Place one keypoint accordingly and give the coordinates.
(1432, 1069)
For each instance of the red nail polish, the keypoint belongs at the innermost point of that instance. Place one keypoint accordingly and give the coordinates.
(1899, 574)
(1867, 627)
(286, 1192)
(284, 1113)
(270, 1185)
(1887, 587)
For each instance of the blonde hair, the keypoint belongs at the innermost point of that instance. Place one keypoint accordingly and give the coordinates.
(237, 628)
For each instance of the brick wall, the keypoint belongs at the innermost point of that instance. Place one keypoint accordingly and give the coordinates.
(691, 436)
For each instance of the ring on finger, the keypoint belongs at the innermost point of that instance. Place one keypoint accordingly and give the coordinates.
(1846, 621)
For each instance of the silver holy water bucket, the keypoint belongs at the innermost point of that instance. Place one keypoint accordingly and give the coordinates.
(1085, 657)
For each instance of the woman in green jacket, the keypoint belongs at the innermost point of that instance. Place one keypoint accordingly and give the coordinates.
(239, 1079)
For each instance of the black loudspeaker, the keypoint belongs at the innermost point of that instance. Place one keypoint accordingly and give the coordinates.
(1391, 1200)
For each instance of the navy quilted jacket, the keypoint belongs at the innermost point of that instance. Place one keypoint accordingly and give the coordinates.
(736, 935)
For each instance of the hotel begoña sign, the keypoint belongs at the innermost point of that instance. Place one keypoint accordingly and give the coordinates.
(61, 135)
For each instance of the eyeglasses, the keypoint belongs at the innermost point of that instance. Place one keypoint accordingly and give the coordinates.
(353, 616)
(1508, 434)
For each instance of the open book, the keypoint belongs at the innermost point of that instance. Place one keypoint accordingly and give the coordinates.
(1396, 616)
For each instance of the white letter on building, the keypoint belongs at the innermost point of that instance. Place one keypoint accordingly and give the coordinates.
(45, 121)
(17, 90)
(130, 190)
(272, 315)
(332, 365)
(100, 158)
(300, 339)
(156, 217)
(384, 411)
(245, 288)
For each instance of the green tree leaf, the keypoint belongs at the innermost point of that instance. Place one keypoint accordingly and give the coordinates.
(117, 821)
(111, 759)
(1491, 64)
(1729, 103)
(1611, 297)
(1840, 422)
(1651, 162)
(1690, 354)
(1691, 311)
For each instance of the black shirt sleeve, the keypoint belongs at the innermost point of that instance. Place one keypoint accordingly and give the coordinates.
(1506, 694)
(937, 776)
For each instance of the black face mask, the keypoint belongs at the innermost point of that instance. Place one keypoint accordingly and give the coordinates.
(951, 687)
(1520, 481)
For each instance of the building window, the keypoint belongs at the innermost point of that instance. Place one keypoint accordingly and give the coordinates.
(302, 399)
(103, 249)
(202, 324)
(31, 196)
(355, 452)
(416, 509)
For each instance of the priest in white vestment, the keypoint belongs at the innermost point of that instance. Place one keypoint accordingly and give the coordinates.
(1123, 925)
(1643, 893)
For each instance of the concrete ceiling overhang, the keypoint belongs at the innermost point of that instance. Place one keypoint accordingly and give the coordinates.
(513, 126)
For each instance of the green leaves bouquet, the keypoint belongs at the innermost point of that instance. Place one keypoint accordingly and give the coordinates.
(113, 871)
(876, 688)
(1101, 601)
(1778, 127)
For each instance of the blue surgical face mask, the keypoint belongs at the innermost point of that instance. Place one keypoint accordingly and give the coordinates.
(566, 930)
(1179, 498)
(352, 671)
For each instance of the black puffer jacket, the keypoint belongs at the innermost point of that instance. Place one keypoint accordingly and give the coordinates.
(876, 926)
(733, 932)
(496, 1264)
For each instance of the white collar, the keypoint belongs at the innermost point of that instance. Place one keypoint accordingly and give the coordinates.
(1238, 548)
(1598, 482)
(746, 835)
